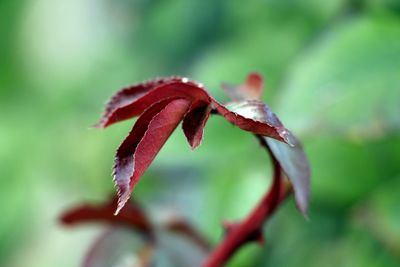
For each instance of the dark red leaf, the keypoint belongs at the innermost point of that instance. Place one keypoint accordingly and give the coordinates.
(291, 158)
(124, 162)
(294, 163)
(256, 117)
(189, 101)
(251, 89)
(131, 215)
(172, 88)
(128, 95)
(194, 122)
(145, 140)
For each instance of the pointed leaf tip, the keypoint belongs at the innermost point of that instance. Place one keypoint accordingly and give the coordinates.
(194, 123)
(256, 117)
(143, 143)
(123, 197)
(287, 136)
(294, 164)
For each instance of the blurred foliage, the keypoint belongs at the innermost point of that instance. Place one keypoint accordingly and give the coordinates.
(332, 72)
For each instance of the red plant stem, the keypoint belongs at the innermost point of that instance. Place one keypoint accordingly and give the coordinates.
(251, 226)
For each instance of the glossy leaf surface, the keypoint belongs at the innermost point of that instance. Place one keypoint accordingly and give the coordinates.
(164, 103)
(126, 96)
(291, 158)
(169, 88)
(256, 117)
(143, 143)
(194, 123)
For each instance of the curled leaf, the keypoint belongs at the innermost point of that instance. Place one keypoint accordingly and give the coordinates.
(125, 97)
(142, 144)
(247, 113)
(169, 88)
(194, 122)
(256, 117)
(163, 103)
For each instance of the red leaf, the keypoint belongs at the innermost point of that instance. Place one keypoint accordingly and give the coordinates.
(170, 88)
(294, 164)
(194, 92)
(251, 89)
(256, 117)
(131, 215)
(145, 140)
(247, 114)
(194, 122)
(126, 96)
(174, 96)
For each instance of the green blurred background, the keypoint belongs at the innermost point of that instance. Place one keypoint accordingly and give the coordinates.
(332, 71)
